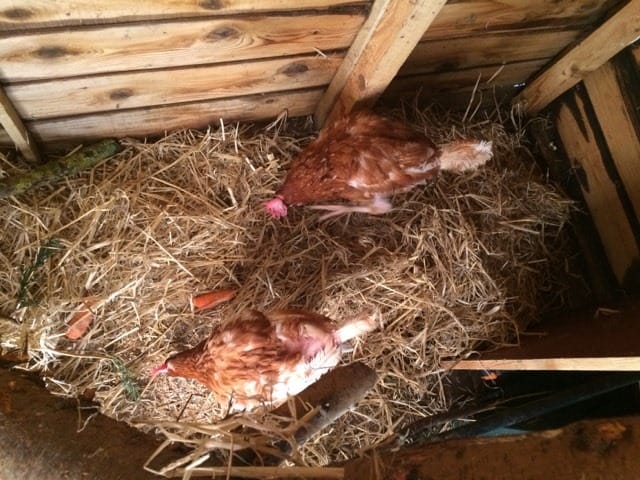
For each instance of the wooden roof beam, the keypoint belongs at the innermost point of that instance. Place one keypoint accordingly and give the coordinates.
(18, 133)
(619, 31)
(388, 36)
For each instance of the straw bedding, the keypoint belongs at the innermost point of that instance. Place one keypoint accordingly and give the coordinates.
(458, 264)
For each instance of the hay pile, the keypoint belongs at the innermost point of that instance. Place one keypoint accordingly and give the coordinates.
(457, 264)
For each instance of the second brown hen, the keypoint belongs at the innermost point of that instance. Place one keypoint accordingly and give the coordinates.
(263, 358)
(364, 158)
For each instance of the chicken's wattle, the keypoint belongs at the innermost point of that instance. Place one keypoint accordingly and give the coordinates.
(276, 207)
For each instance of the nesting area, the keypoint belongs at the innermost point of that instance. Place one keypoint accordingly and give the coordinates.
(461, 263)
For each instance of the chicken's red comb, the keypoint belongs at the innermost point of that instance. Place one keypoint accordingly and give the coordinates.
(160, 369)
(275, 207)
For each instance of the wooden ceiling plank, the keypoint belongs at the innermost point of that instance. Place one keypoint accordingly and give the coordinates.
(14, 126)
(387, 38)
(619, 31)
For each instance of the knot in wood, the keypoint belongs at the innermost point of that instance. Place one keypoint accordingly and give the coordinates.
(51, 52)
(222, 33)
(294, 69)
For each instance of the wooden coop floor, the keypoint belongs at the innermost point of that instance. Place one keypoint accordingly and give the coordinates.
(462, 263)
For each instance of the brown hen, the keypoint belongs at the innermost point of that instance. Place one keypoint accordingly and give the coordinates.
(363, 158)
(263, 358)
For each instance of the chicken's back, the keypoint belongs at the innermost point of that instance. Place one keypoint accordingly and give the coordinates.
(262, 358)
(357, 157)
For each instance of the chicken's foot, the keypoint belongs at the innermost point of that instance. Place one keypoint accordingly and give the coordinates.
(377, 206)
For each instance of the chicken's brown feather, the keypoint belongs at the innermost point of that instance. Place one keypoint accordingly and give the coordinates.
(261, 357)
(357, 157)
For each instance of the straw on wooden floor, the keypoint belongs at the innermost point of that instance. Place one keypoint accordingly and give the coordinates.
(458, 264)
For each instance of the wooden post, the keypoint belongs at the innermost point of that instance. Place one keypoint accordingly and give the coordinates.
(19, 134)
(388, 36)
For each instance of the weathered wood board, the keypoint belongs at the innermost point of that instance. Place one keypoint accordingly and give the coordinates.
(620, 126)
(487, 77)
(84, 95)
(80, 65)
(16, 130)
(128, 48)
(5, 139)
(595, 265)
(483, 33)
(587, 155)
(605, 340)
(466, 18)
(28, 14)
(152, 121)
(635, 51)
(487, 49)
(457, 18)
(619, 31)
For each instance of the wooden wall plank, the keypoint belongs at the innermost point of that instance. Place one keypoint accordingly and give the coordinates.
(616, 33)
(617, 123)
(454, 81)
(595, 266)
(457, 18)
(171, 44)
(5, 139)
(558, 363)
(387, 38)
(12, 123)
(635, 50)
(486, 49)
(465, 18)
(453, 101)
(580, 341)
(155, 120)
(598, 188)
(38, 13)
(76, 96)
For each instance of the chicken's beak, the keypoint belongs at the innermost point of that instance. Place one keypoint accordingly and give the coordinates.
(164, 368)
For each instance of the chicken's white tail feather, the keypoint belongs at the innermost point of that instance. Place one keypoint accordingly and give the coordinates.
(464, 155)
(356, 327)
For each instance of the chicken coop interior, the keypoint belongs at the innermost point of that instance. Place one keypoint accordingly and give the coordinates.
(169, 210)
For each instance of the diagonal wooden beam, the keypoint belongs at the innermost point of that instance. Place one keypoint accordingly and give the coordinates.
(619, 31)
(388, 36)
(19, 134)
